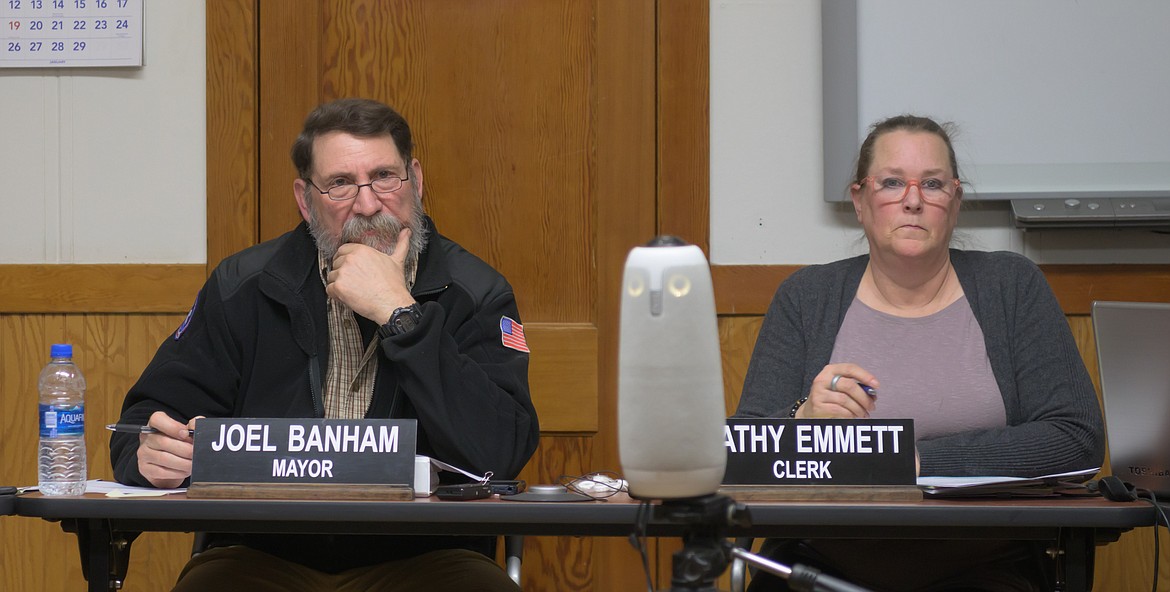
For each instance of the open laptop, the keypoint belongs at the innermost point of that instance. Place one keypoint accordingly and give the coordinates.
(1133, 354)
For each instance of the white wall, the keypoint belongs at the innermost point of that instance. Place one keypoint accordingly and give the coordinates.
(109, 165)
(767, 191)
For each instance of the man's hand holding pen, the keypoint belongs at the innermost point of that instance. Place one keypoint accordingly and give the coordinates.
(164, 456)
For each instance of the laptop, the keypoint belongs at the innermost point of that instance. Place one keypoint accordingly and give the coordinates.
(1133, 355)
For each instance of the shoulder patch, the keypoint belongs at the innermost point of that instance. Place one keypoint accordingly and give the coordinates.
(187, 321)
(512, 335)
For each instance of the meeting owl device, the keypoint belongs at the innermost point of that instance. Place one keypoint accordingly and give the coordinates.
(670, 385)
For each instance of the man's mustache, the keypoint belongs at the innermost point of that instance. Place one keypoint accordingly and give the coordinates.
(379, 230)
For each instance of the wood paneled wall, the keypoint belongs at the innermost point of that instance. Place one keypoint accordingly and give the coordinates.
(111, 349)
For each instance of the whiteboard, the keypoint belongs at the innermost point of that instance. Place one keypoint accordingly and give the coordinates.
(1052, 98)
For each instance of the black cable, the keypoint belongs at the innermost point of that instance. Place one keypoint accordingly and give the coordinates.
(1157, 554)
(638, 540)
(1149, 497)
(1133, 494)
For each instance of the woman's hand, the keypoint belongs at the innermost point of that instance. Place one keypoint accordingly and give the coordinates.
(838, 392)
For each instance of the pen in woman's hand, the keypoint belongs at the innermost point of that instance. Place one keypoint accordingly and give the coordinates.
(136, 429)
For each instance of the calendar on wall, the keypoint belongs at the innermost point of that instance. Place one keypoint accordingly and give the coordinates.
(70, 33)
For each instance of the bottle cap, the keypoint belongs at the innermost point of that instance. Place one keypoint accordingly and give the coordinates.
(61, 350)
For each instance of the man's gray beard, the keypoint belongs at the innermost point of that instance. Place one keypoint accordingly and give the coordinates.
(385, 228)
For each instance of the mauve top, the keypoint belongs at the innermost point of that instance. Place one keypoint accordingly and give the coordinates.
(933, 369)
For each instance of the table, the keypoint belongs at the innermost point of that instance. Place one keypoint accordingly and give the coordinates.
(7, 501)
(106, 527)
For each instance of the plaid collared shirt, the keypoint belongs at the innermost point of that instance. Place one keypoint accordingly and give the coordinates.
(349, 380)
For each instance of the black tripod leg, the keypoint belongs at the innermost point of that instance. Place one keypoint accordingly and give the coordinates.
(105, 555)
(698, 564)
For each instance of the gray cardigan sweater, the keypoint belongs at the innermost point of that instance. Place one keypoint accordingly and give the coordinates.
(1053, 418)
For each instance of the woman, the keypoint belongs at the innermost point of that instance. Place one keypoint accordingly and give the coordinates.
(971, 345)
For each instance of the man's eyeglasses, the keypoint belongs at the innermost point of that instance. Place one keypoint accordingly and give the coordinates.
(891, 189)
(344, 191)
(598, 485)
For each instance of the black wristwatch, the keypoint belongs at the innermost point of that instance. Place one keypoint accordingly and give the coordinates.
(401, 320)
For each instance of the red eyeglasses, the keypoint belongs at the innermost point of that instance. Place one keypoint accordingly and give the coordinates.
(891, 188)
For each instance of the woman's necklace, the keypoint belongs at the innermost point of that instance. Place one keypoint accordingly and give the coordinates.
(929, 307)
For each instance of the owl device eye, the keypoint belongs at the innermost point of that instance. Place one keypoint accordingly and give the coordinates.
(635, 286)
(679, 286)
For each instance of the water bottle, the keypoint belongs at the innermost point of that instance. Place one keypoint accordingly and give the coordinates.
(62, 417)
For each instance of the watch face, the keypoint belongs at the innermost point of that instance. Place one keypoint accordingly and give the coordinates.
(405, 319)
(404, 322)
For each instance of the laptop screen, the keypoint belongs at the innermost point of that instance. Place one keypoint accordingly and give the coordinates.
(1133, 355)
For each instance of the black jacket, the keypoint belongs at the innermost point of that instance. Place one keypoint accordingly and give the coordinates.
(256, 344)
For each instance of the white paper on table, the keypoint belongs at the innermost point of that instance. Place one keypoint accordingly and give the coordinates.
(115, 489)
(1072, 476)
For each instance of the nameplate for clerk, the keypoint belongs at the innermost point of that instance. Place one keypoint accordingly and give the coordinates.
(302, 451)
(774, 451)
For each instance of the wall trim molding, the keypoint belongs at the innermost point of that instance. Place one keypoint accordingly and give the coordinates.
(101, 288)
(739, 289)
(748, 289)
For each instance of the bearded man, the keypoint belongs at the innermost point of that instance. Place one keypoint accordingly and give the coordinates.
(362, 311)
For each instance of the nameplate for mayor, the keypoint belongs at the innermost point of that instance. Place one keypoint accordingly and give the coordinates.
(774, 451)
(334, 451)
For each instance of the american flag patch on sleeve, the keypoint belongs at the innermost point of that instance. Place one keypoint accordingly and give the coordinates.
(512, 335)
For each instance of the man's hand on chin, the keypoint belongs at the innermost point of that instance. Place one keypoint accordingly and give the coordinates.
(370, 282)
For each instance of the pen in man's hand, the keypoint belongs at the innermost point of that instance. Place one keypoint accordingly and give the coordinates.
(130, 428)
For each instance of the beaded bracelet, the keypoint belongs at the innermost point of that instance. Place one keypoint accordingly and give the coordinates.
(792, 412)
